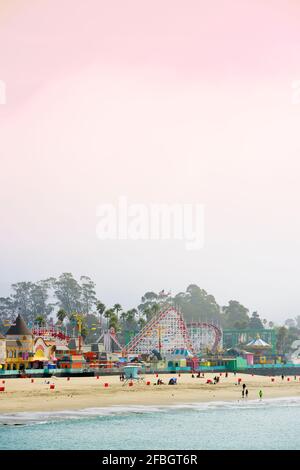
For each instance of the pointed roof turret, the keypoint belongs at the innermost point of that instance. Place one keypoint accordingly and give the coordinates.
(19, 328)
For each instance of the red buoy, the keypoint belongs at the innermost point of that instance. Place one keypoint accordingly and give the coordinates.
(288, 379)
(52, 386)
(148, 383)
(3, 381)
(32, 381)
(97, 377)
(156, 375)
(130, 384)
(106, 385)
(2, 389)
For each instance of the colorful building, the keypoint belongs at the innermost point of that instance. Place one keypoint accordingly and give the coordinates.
(19, 346)
(2, 351)
(44, 353)
(72, 361)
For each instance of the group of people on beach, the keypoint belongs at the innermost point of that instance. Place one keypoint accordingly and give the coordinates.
(199, 375)
(244, 391)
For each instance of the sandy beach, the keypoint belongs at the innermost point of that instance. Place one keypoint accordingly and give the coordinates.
(89, 392)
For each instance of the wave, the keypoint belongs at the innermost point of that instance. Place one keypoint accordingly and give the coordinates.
(45, 417)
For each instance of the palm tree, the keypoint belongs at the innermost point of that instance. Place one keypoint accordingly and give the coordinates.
(142, 322)
(40, 320)
(117, 308)
(109, 312)
(100, 309)
(123, 316)
(61, 315)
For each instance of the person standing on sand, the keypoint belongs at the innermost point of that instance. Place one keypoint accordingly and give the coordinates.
(282, 377)
(244, 386)
(246, 391)
(260, 393)
(243, 393)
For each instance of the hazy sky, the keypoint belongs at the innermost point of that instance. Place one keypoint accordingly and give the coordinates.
(165, 101)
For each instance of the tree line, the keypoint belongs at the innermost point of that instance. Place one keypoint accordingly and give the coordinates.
(65, 300)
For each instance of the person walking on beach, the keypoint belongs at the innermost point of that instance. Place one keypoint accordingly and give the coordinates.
(260, 393)
(246, 391)
(282, 377)
(244, 386)
(243, 393)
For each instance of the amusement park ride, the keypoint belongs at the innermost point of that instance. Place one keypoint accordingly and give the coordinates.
(50, 333)
(167, 331)
(109, 338)
(205, 336)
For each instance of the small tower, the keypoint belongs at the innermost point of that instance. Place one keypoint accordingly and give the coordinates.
(19, 345)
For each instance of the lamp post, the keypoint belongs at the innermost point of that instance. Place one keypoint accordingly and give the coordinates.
(79, 325)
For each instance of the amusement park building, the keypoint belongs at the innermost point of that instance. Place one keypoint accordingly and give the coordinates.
(19, 346)
(239, 338)
(2, 351)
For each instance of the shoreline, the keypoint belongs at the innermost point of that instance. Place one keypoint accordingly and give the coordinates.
(23, 418)
(85, 393)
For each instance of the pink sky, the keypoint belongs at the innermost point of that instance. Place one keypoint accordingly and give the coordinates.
(162, 101)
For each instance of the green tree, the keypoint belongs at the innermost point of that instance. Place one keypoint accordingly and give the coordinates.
(88, 294)
(148, 300)
(39, 294)
(141, 322)
(112, 319)
(40, 320)
(92, 328)
(100, 309)
(22, 300)
(197, 305)
(117, 308)
(255, 322)
(31, 299)
(61, 315)
(68, 292)
(235, 315)
(7, 310)
(282, 339)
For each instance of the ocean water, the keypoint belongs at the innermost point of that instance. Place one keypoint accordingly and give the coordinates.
(266, 424)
